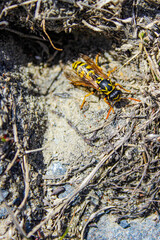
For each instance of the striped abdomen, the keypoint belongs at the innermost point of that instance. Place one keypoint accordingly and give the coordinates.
(84, 70)
(104, 85)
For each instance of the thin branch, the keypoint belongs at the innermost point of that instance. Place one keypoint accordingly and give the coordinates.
(144, 125)
(61, 208)
(35, 150)
(25, 35)
(15, 221)
(5, 10)
(44, 30)
(94, 215)
(25, 170)
(96, 29)
(37, 9)
(10, 165)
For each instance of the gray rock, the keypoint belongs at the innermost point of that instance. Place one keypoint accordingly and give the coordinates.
(140, 229)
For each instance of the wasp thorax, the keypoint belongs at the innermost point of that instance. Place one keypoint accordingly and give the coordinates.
(105, 85)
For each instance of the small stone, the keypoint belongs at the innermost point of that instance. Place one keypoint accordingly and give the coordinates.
(58, 190)
(124, 224)
(56, 169)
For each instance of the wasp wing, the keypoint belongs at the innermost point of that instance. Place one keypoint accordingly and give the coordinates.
(96, 68)
(78, 81)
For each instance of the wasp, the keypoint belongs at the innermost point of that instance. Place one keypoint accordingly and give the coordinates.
(90, 74)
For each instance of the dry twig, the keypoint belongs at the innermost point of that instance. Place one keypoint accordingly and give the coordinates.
(94, 215)
(65, 203)
(15, 221)
(44, 30)
(5, 10)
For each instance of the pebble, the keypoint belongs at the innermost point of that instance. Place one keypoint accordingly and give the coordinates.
(5, 194)
(140, 229)
(56, 169)
(68, 191)
(3, 212)
(124, 224)
(58, 190)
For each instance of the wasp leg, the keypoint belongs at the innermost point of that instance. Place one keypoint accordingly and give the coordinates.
(117, 84)
(134, 99)
(80, 83)
(105, 99)
(111, 108)
(97, 56)
(91, 93)
(96, 61)
(109, 72)
(108, 113)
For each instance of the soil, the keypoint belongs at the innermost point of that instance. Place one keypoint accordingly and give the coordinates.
(61, 166)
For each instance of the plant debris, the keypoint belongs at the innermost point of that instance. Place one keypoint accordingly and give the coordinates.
(61, 167)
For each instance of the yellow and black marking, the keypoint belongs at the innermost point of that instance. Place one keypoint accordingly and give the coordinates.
(105, 85)
(89, 74)
(83, 70)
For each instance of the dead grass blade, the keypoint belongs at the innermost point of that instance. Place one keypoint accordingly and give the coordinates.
(15, 221)
(59, 210)
(92, 216)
